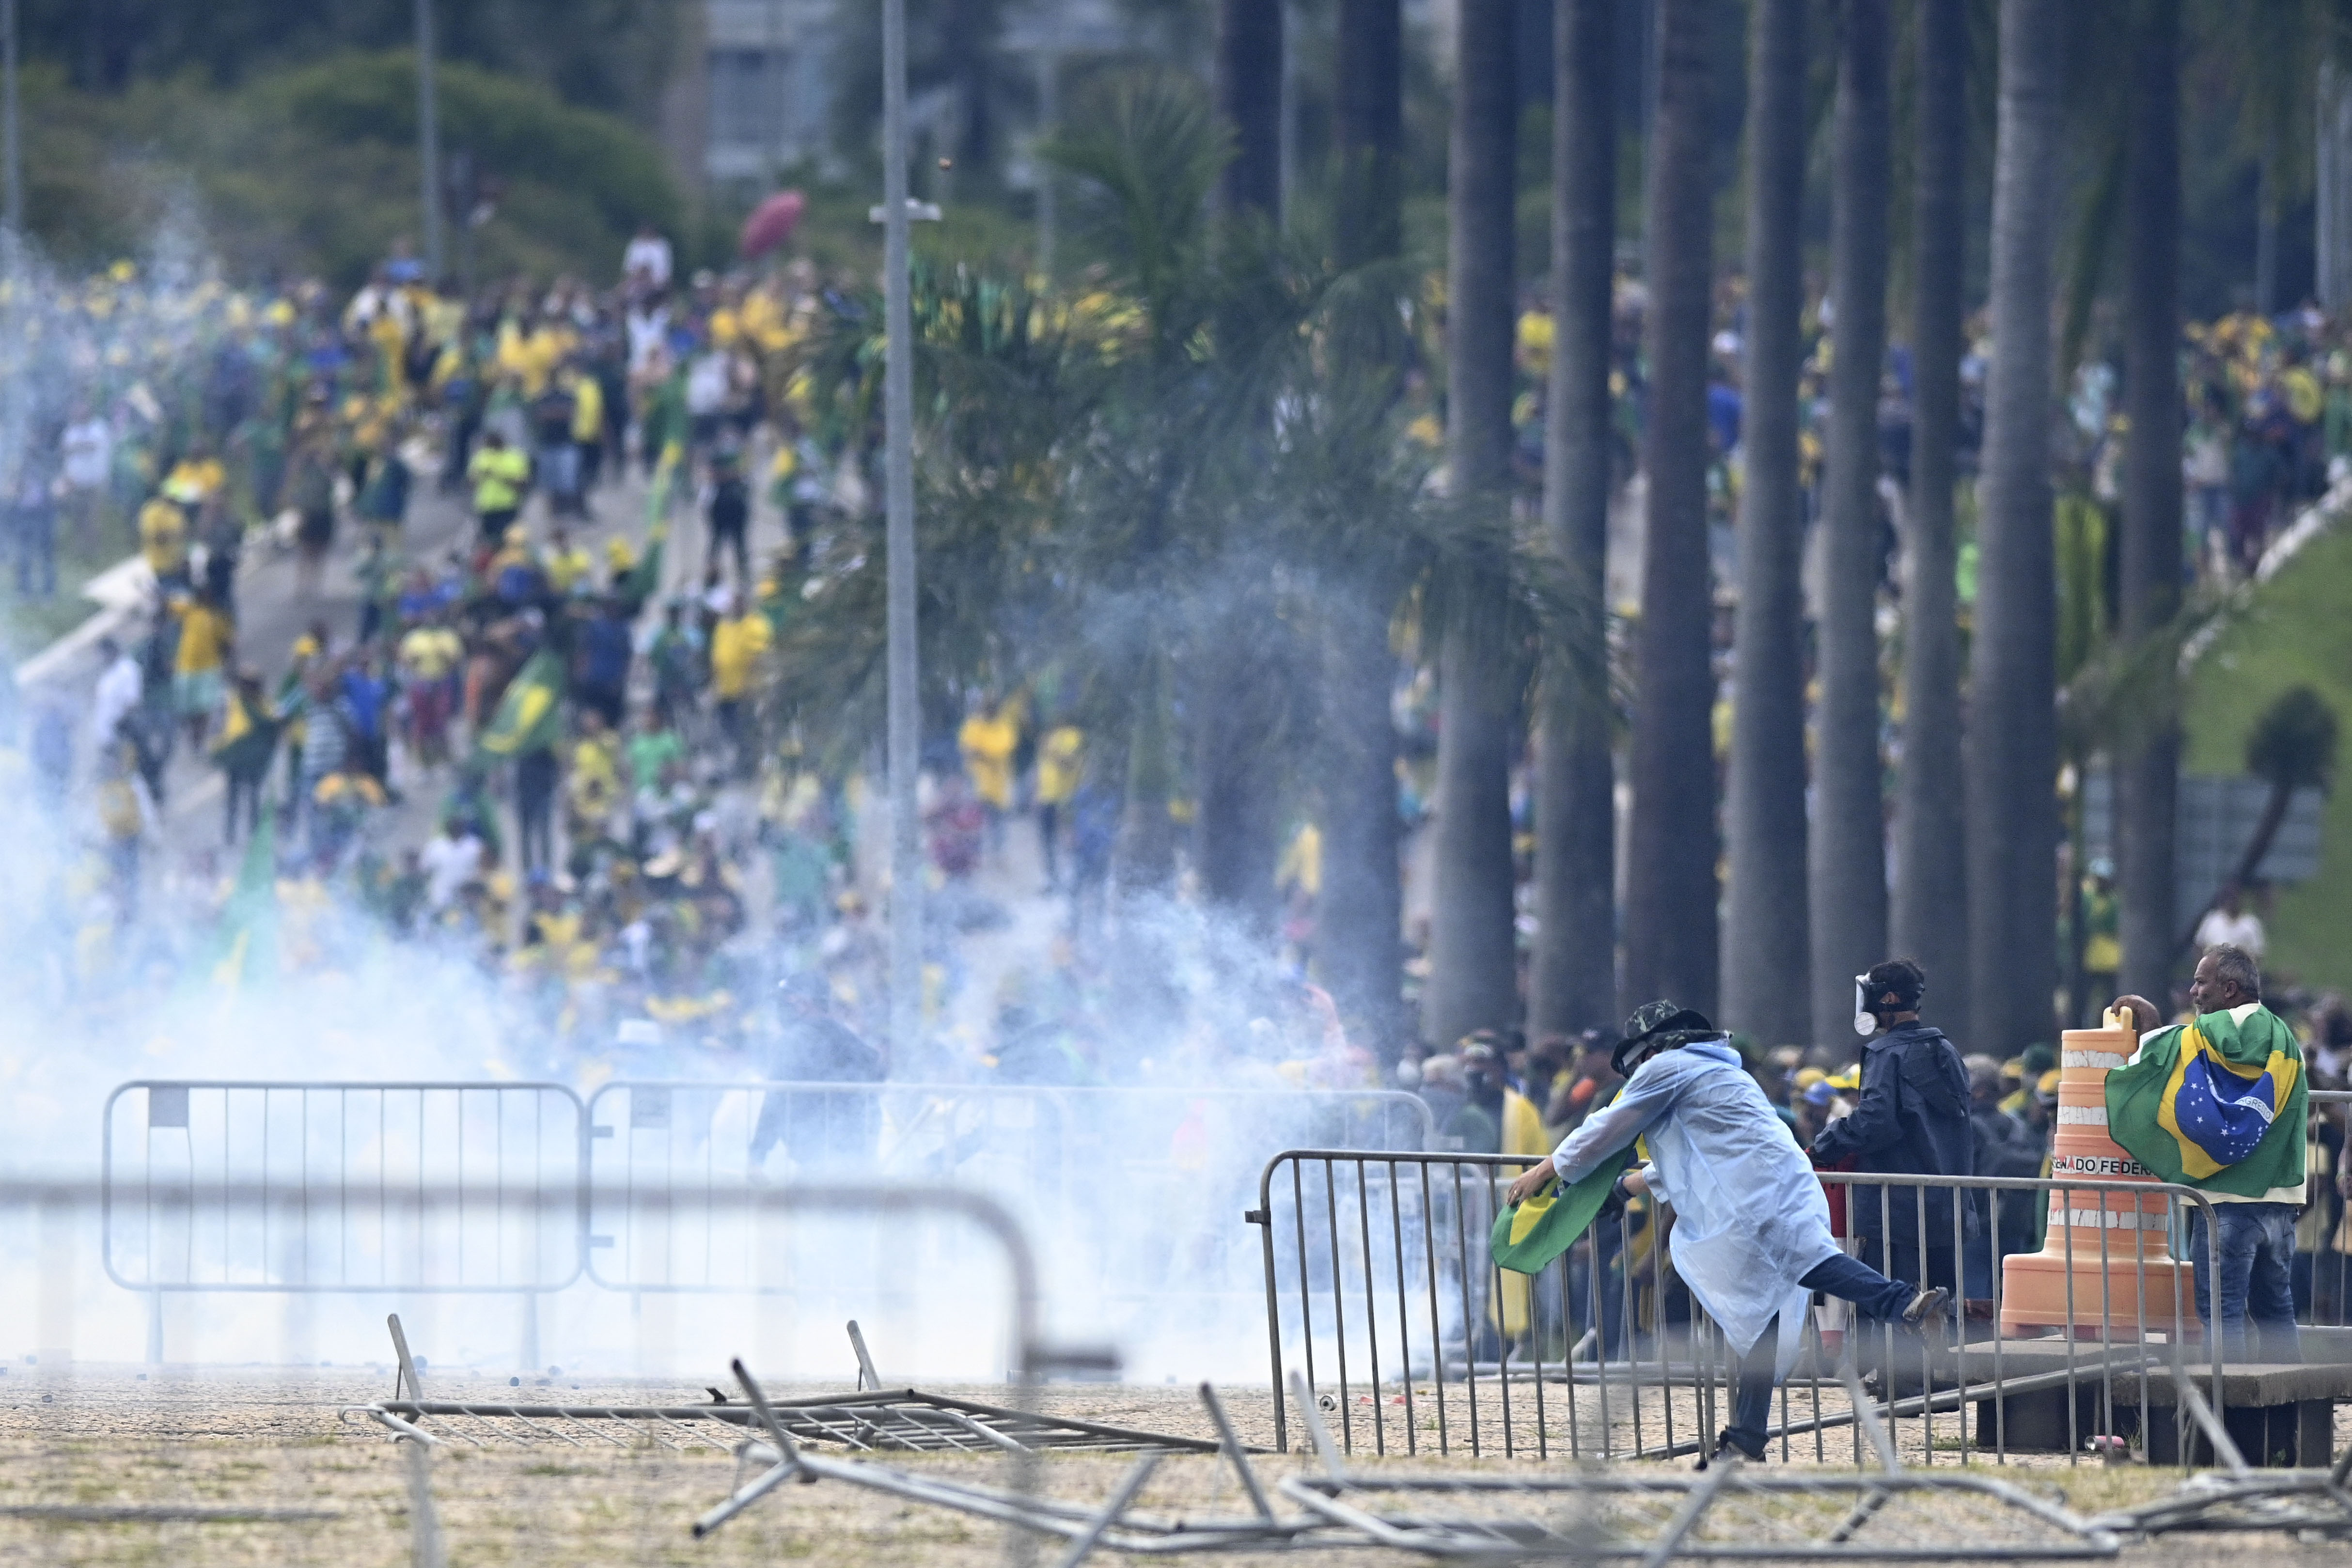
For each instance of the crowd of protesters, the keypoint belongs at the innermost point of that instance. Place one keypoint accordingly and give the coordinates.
(576, 523)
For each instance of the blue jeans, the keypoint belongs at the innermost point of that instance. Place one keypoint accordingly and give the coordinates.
(2257, 1242)
(1874, 1295)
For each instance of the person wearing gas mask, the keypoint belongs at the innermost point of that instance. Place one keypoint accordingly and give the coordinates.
(1751, 1234)
(1911, 1117)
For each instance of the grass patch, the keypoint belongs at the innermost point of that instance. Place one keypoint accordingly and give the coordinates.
(2300, 632)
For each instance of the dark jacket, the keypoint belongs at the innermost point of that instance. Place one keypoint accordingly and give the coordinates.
(1913, 1118)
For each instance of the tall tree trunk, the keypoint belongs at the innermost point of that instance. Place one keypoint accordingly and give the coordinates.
(1573, 984)
(1765, 945)
(1473, 961)
(1237, 689)
(1249, 96)
(1931, 873)
(1670, 911)
(2147, 775)
(1368, 125)
(1849, 845)
(1358, 945)
(1233, 833)
(2012, 751)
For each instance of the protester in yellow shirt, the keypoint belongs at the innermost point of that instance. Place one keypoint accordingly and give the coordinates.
(163, 538)
(206, 636)
(987, 740)
(737, 642)
(567, 565)
(499, 473)
(1060, 760)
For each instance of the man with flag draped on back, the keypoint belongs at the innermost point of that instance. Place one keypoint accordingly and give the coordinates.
(2219, 1104)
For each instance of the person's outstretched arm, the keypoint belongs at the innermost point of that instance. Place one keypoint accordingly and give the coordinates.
(1645, 1098)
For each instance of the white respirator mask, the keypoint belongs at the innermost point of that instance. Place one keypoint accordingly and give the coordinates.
(1864, 1023)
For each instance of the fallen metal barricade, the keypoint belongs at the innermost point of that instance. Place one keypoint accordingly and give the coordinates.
(1115, 1524)
(1730, 1511)
(330, 1188)
(873, 1419)
(2239, 1498)
(1587, 1514)
(1379, 1286)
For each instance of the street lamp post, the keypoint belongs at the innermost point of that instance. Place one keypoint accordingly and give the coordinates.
(898, 502)
(428, 139)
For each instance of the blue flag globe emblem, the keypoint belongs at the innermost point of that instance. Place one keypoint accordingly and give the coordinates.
(2221, 1113)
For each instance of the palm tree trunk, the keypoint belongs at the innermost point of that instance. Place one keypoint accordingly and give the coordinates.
(1670, 909)
(2012, 751)
(1473, 964)
(1237, 692)
(1360, 950)
(1249, 96)
(1849, 844)
(2148, 780)
(1573, 984)
(1765, 943)
(1931, 875)
(1368, 125)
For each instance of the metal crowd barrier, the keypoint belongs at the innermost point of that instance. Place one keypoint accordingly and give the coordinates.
(1380, 1289)
(660, 1154)
(2323, 1282)
(338, 1178)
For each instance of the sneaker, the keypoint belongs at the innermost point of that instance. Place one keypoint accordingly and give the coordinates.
(1728, 1448)
(1929, 1307)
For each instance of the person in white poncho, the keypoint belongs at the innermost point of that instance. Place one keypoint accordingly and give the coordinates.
(1751, 1234)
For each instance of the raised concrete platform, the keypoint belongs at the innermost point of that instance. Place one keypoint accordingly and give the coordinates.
(2277, 1414)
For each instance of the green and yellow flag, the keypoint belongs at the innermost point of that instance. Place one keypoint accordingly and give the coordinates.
(1526, 1236)
(248, 941)
(2218, 1102)
(530, 715)
(644, 577)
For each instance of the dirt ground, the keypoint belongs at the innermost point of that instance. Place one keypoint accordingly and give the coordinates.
(275, 1442)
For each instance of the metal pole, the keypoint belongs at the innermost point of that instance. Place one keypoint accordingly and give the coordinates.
(428, 140)
(899, 497)
(1049, 120)
(15, 215)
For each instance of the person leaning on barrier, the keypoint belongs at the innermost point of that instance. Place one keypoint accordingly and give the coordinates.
(1751, 1225)
(1912, 1119)
(817, 1129)
(2219, 1104)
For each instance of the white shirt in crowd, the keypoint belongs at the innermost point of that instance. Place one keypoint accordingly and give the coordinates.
(2243, 929)
(86, 451)
(649, 255)
(449, 864)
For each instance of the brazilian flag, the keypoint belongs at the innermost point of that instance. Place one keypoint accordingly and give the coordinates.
(644, 577)
(1526, 1236)
(530, 715)
(2218, 1102)
(247, 945)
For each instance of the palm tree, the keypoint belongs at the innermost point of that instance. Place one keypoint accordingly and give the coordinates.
(1473, 960)
(1930, 913)
(1360, 910)
(2147, 773)
(1765, 947)
(1368, 126)
(1670, 915)
(1572, 983)
(1849, 845)
(1249, 97)
(2012, 758)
